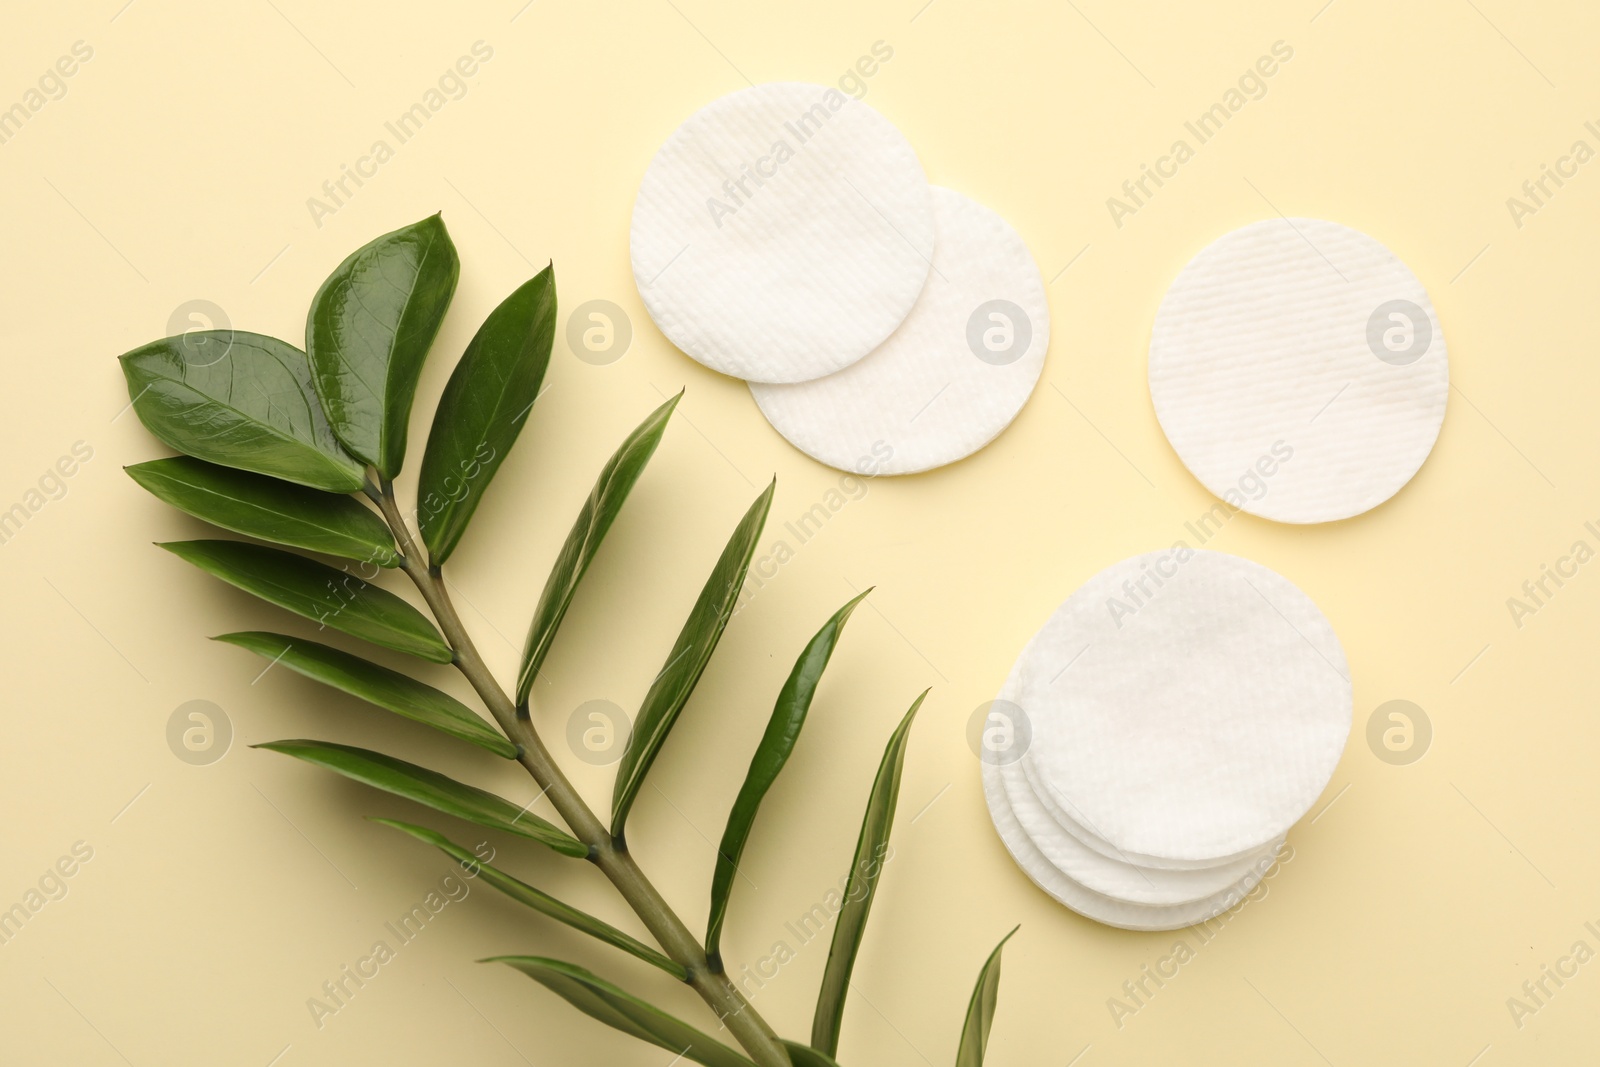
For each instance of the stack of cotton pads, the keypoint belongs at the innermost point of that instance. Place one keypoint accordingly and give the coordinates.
(786, 234)
(1161, 734)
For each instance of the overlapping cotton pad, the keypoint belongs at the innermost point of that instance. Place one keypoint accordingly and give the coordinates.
(782, 232)
(1184, 709)
(955, 373)
(1299, 370)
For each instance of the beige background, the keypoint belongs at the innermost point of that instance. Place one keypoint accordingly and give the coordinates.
(177, 166)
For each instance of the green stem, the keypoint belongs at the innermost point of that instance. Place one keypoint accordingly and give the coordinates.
(609, 854)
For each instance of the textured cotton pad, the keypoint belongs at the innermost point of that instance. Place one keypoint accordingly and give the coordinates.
(1188, 706)
(1117, 878)
(782, 232)
(955, 373)
(1299, 370)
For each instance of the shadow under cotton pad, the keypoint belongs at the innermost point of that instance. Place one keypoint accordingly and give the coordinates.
(955, 373)
(782, 232)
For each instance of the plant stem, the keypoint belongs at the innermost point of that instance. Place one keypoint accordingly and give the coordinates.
(609, 854)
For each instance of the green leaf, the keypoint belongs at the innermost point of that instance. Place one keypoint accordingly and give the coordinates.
(332, 597)
(861, 887)
(252, 407)
(980, 1011)
(690, 654)
(269, 509)
(599, 511)
(783, 730)
(368, 333)
(601, 1000)
(388, 689)
(430, 789)
(523, 893)
(806, 1056)
(483, 408)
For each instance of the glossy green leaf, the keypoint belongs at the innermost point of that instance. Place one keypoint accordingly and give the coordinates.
(269, 509)
(806, 1056)
(862, 886)
(783, 730)
(332, 597)
(368, 333)
(594, 520)
(242, 400)
(601, 1000)
(980, 1010)
(688, 659)
(542, 902)
(483, 408)
(388, 689)
(430, 789)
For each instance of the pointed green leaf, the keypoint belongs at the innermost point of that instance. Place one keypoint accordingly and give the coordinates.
(783, 730)
(980, 1010)
(688, 659)
(601, 1000)
(242, 400)
(806, 1056)
(599, 511)
(369, 330)
(332, 597)
(523, 893)
(430, 789)
(270, 509)
(861, 887)
(388, 689)
(483, 408)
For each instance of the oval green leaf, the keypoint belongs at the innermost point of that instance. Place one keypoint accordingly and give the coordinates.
(482, 411)
(861, 887)
(688, 659)
(980, 1010)
(430, 789)
(601, 1000)
(334, 598)
(251, 407)
(783, 730)
(539, 901)
(583, 541)
(388, 689)
(368, 333)
(806, 1056)
(269, 509)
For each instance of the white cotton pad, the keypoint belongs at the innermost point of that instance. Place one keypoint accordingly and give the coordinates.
(1299, 370)
(1086, 902)
(955, 373)
(1188, 706)
(1116, 878)
(782, 232)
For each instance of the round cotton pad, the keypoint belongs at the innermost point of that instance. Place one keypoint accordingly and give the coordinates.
(955, 373)
(1299, 370)
(782, 232)
(1188, 706)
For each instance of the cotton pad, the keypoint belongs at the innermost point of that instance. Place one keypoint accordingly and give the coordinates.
(1187, 706)
(782, 232)
(955, 373)
(1299, 370)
